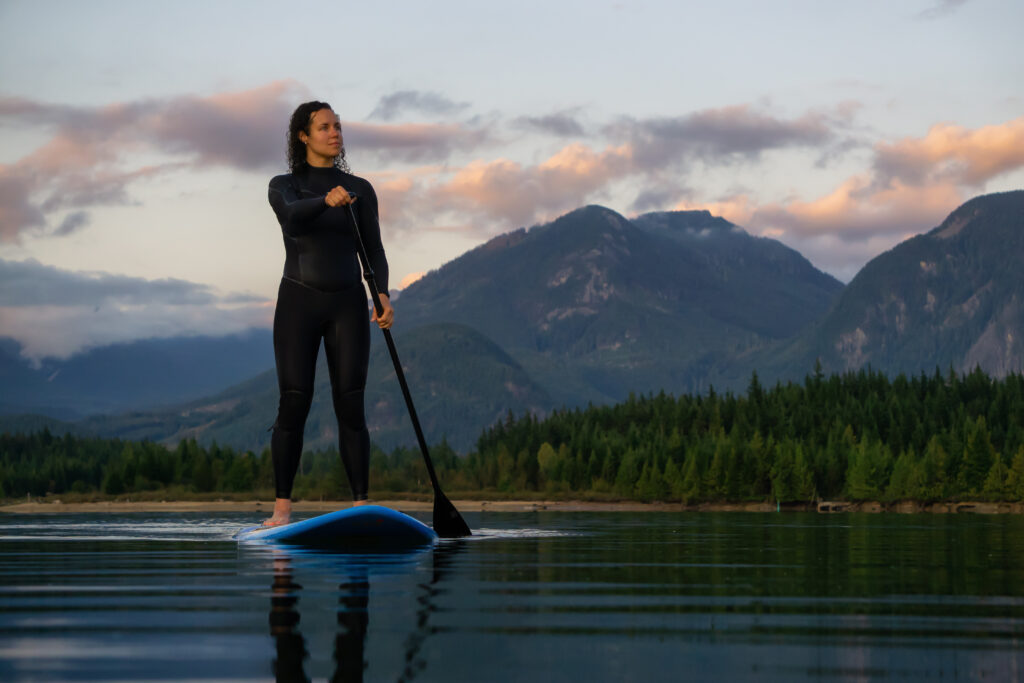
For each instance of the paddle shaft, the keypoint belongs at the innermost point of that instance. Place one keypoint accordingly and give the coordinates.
(455, 526)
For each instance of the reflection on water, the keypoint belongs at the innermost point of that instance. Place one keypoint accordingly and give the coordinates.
(542, 596)
(353, 613)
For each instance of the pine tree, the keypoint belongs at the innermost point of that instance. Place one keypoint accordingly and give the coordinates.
(692, 476)
(651, 485)
(978, 455)
(868, 473)
(995, 487)
(673, 480)
(902, 474)
(934, 473)
(113, 482)
(628, 474)
(803, 476)
(1015, 477)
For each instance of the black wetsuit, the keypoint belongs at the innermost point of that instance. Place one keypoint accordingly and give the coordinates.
(321, 296)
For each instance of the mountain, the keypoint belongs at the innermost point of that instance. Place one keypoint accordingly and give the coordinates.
(594, 306)
(142, 374)
(953, 297)
(587, 308)
(759, 283)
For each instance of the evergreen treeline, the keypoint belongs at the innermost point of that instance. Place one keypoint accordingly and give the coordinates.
(41, 463)
(858, 436)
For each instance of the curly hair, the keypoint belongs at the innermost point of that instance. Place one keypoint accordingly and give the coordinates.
(301, 119)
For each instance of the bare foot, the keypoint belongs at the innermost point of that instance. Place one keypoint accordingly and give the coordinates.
(282, 513)
(360, 502)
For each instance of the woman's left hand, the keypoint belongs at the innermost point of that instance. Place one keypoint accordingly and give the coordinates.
(387, 317)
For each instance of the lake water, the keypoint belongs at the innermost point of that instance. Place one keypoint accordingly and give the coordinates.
(533, 596)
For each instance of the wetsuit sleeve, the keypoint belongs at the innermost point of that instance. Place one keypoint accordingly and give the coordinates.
(294, 213)
(370, 225)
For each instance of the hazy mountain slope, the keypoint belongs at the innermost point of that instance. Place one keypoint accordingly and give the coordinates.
(951, 297)
(461, 382)
(142, 374)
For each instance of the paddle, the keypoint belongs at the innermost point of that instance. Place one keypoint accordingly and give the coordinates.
(448, 523)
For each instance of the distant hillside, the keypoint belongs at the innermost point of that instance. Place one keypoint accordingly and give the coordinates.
(461, 383)
(951, 297)
(139, 375)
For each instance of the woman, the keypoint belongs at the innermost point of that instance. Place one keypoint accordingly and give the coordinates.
(321, 296)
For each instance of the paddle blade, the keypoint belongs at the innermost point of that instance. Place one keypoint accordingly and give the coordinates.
(448, 523)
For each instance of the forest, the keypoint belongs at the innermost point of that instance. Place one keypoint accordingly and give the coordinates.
(859, 436)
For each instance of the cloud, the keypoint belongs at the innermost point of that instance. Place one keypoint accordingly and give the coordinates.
(954, 154)
(719, 135)
(940, 8)
(56, 312)
(30, 283)
(562, 124)
(413, 142)
(858, 209)
(842, 230)
(738, 209)
(86, 161)
(239, 129)
(512, 193)
(61, 332)
(910, 187)
(243, 130)
(391, 106)
(411, 278)
(17, 212)
(657, 198)
(72, 223)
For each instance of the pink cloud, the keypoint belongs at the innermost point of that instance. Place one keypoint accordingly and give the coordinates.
(954, 154)
(84, 165)
(16, 211)
(858, 209)
(911, 187)
(517, 194)
(411, 278)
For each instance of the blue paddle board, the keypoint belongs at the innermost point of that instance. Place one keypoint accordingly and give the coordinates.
(359, 526)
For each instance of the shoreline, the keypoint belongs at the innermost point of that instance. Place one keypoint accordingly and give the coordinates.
(265, 506)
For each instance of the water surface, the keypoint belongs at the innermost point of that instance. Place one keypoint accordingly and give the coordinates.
(533, 596)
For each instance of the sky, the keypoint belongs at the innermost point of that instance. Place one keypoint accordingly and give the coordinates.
(137, 140)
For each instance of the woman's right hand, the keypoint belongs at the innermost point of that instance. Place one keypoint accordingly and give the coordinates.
(339, 196)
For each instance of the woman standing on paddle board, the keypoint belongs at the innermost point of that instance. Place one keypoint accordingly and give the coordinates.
(322, 297)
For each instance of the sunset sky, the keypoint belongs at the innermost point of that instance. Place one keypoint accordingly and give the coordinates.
(137, 139)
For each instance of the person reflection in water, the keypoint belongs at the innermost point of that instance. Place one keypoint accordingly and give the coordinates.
(353, 620)
(284, 624)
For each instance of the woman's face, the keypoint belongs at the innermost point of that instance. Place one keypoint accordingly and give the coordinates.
(323, 143)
